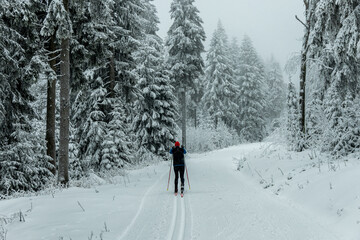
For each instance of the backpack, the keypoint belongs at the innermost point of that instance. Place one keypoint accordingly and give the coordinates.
(178, 155)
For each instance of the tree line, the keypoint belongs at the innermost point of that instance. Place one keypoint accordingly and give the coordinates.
(90, 86)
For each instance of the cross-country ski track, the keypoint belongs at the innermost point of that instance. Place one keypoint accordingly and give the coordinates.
(148, 224)
(223, 203)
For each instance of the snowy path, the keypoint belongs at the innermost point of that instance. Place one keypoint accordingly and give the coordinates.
(222, 204)
(227, 205)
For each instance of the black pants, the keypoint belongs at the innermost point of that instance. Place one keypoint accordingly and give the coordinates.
(179, 170)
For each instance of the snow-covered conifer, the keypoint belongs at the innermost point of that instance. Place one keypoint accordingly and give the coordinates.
(185, 46)
(116, 147)
(252, 94)
(94, 131)
(293, 130)
(154, 122)
(276, 92)
(220, 90)
(23, 164)
(348, 133)
(128, 19)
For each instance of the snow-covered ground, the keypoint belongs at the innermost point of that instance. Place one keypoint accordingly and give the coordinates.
(275, 195)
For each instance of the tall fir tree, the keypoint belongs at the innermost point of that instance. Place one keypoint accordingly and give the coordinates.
(185, 46)
(276, 90)
(252, 94)
(154, 123)
(117, 147)
(23, 161)
(349, 130)
(128, 19)
(220, 90)
(333, 41)
(292, 126)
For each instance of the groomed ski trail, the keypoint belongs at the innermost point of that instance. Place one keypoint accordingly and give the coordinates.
(178, 221)
(160, 215)
(140, 208)
(222, 204)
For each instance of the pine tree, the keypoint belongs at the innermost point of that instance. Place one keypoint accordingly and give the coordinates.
(252, 95)
(315, 116)
(117, 149)
(349, 131)
(127, 16)
(332, 108)
(23, 162)
(91, 47)
(220, 90)
(293, 130)
(194, 100)
(235, 60)
(185, 45)
(94, 130)
(276, 92)
(76, 166)
(154, 123)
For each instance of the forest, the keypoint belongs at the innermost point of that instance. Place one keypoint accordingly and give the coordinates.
(89, 87)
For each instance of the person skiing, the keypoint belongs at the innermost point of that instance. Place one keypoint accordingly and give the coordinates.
(179, 165)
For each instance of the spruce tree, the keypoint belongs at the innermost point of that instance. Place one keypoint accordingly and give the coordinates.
(333, 44)
(117, 147)
(23, 162)
(276, 90)
(95, 129)
(292, 126)
(185, 46)
(220, 90)
(128, 19)
(154, 123)
(349, 130)
(252, 95)
(332, 109)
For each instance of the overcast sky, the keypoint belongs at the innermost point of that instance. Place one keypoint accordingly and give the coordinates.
(271, 24)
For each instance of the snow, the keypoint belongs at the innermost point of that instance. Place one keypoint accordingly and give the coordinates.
(275, 195)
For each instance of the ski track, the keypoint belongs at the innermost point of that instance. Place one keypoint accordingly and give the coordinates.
(177, 230)
(182, 220)
(173, 220)
(140, 209)
(190, 220)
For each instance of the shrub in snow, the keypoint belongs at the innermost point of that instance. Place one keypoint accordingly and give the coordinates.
(206, 137)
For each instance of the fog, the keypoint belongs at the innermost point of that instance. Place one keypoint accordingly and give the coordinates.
(271, 24)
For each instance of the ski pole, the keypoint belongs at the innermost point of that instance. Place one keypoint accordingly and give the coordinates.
(187, 175)
(169, 176)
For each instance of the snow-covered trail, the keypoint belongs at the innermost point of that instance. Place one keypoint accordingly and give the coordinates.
(222, 204)
(227, 205)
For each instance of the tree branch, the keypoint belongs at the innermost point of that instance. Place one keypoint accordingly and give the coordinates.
(306, 2)
(307, 27)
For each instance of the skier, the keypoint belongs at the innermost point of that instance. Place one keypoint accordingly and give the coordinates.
(179, 165)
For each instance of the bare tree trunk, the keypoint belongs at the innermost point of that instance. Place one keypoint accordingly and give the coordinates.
(63, 175)
(183, 121)
(112, 76)
(195, 117)
(305, 47)
(50, 108)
